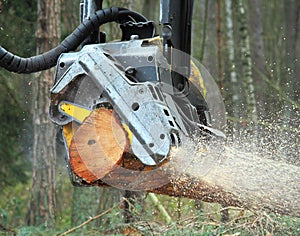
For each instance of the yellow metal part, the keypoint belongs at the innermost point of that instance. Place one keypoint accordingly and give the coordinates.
(68, 131)
(79, 114)
(128, 131)
(197, 79)
(76, 112)
(72, 110)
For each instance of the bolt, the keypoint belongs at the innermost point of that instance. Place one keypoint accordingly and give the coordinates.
(134, 36)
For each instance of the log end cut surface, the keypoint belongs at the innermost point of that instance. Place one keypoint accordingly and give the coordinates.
(97, 145)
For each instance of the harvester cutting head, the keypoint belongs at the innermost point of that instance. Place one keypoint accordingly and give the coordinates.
(134, 79)
(143, 84)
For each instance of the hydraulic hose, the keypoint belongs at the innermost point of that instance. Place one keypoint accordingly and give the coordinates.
(14, 63)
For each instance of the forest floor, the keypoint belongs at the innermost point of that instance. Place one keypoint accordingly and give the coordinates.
(187, 217)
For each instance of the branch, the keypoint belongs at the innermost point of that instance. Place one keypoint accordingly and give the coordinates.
(160, 207)
(88, 221)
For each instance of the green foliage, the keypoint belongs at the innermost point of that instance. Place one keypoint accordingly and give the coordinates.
(34, 231)
(12, 159)
(69, 17)
(13, 204)
(206, 223)
(17, 21)
(17, 29)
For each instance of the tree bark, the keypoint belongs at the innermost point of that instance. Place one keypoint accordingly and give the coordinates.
(42, 203)
(150, 9)
(251, 109)
(221, 175)
(204, 31)
(234, 83)
(220, 46)
(256, 34)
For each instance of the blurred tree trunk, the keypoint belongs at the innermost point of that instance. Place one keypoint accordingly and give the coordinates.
(204, 31)
(234, 83)
(108, 197)
(210, 57)
(70, 16)
(150, 9)
(199, 31)
(220, 45)
(257, 51)
(291, 81)
(249, 91)
(42, 203)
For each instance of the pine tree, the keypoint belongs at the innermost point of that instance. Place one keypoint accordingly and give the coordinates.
(43, 203)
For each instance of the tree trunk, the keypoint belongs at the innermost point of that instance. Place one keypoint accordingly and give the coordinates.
(251, 109)
(204, 30)
(234, 83)
(69, 11)
(224, 214)
(42, 203)
(257, 52)
(226, 176)
(150, 9)
(220, 45)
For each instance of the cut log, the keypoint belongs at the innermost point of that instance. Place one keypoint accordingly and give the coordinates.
(237, 179)
(97, 146)
(226, 176)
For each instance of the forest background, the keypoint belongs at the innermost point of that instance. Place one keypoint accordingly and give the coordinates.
(250, 47)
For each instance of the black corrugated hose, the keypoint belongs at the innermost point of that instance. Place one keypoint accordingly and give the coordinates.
(17, 64)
